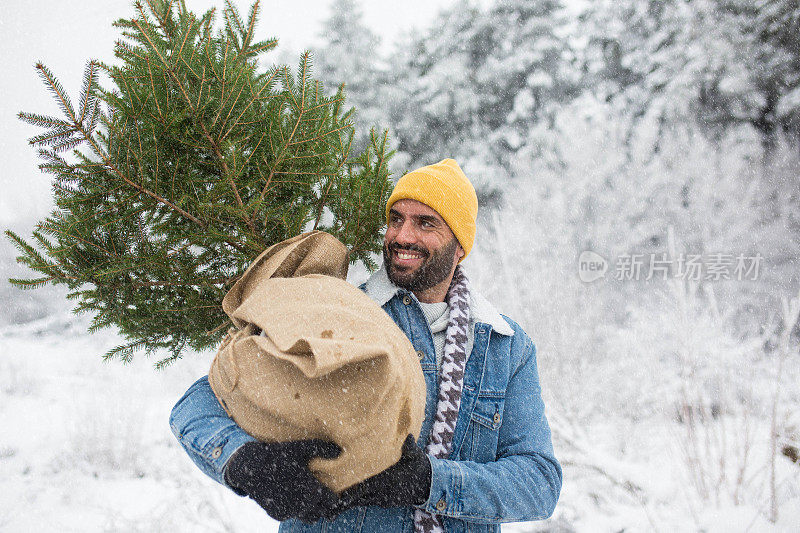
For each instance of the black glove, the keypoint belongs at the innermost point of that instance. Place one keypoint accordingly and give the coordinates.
(407, 482)
(277, 477)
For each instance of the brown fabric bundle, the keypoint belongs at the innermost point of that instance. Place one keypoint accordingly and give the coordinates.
(312, 357)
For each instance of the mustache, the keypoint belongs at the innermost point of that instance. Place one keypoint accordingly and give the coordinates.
(394, 247)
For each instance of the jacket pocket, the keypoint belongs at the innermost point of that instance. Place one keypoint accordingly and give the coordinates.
(484, 426)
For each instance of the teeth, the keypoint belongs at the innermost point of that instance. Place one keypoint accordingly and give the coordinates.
(407, 256)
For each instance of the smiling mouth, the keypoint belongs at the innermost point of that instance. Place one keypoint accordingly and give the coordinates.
(404, 257)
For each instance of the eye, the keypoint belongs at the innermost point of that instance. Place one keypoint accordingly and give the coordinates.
(427, 224)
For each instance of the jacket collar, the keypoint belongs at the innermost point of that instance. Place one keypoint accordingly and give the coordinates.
(380, 289)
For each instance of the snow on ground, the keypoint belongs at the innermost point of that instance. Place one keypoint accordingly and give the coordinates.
(86, 447)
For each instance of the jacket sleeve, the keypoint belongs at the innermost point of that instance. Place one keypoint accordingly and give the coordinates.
(205, 431)
(524, 482)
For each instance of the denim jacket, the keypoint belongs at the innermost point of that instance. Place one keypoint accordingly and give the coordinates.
(501, 468)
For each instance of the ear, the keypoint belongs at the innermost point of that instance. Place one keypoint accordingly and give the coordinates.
(460, 253)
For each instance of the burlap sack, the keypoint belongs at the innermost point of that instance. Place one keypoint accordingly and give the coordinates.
(313, 357)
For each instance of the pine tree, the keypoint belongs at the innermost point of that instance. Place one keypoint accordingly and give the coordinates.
(190, 165)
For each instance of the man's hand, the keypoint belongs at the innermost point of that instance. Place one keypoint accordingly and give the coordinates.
(277, 477)
(407, 482)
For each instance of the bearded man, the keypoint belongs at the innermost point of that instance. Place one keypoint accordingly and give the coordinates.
(485, 454)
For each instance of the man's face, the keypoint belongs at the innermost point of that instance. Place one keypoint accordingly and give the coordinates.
(419, 248)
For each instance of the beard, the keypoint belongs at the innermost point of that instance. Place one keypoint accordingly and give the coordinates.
(435, 267)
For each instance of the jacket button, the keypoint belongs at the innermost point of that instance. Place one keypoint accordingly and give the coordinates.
(497, 418)
(441, 505)
(420, 354)
(216, 452)
(407, 300)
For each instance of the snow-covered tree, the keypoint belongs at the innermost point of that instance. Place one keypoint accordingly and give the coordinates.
(481, 84)
(721, 64)
(727, 71)
(775, 66)
(350, 55)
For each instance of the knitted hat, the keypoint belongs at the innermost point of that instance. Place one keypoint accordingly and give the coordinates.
(444, 188)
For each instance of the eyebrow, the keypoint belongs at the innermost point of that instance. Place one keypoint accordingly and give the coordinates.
(427, 218)
(418, 218)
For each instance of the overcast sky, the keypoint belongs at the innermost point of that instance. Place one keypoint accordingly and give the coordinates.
(64, 34)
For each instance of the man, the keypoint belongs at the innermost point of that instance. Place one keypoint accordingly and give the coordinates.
(488, 454)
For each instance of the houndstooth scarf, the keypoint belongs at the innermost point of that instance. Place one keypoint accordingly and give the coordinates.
(452, 378)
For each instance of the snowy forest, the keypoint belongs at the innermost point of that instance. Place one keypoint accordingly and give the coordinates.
(637, 164)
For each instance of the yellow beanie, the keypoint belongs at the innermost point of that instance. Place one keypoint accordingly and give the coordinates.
(444, 188)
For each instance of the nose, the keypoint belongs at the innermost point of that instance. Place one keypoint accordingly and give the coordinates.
(406, 233)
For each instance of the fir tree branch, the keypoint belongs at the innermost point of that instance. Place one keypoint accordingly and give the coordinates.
(162, 21)
(64, 233)
(218, 328)
(202, 84)
(99, 211)
(31, 255)
(254, 150)
(147, 35)
(192, 283)
(322, 200)
(189, 31)
(325, 104)
(210, 14)
(222, 79)
(155, 95)
(87, 92)
(233, 21)
(164, 62)
(94, 116)
(250, 25)
(163, 363)
(57, 90)
(42, 121)
(279, 159)
(305, 62)
(301, 173)
(52, 137)
(109, 164)
(233, 106)
(125, 351)
(28, 284)
(154, 196)
(159, 260)
(236, 122)
(66, 144)
(268, 45)
(321, 135)
(267, 184)
(155, 149)
(227, 173)
(184, 309)
(209, 57)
